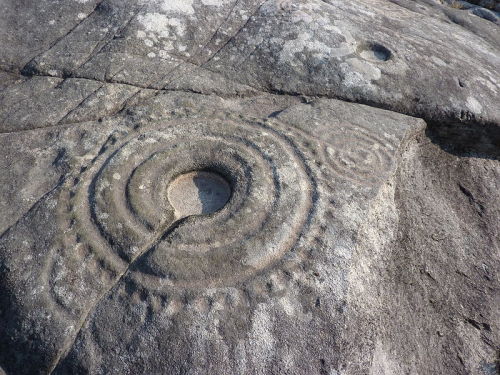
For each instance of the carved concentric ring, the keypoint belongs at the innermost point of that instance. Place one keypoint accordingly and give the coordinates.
(118, 207)
(358, 155)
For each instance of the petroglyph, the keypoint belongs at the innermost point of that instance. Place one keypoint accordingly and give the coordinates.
(360, 156)
(198, 193)
(374, 52)
(203, 204)
(124, 206)
(224, 186)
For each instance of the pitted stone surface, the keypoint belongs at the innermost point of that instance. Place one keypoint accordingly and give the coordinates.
(182, 192)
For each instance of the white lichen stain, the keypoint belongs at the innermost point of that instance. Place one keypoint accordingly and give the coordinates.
(162, 25)
(178, 6)
(215, 2)
(354, 79)
(382, 362)
(304, 43)
(164, 55)
(308, 43)
(474, 105)
(103, 216)
(300, 16)
(293, 308)
(343, 251)
(287, 305)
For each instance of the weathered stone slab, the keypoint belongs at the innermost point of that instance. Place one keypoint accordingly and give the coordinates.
(112, 264)
(398, 55)
(181, 192)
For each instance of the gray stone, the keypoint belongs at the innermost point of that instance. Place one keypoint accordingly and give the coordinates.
(486, 14)
(224, 187)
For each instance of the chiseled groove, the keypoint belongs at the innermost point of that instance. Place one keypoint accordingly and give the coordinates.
(272, 164)
(308, 171)
(361, 134)
(165, 229)
(290, 244)
(358, 174)
(128, 202)
(258, 152)
(300, 225)
(92, 204)
(252, 229)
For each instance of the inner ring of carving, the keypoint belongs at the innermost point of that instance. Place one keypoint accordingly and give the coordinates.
(198, 193)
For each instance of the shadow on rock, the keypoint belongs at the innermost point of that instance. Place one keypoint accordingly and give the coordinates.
(465, 140)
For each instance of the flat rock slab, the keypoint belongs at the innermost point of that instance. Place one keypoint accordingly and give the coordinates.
(419, 58)
(183, 190)
(101, 266)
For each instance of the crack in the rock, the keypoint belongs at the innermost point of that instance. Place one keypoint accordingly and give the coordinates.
(96, 51)
(164, 229)
(235, 34)
(136, 85)
(61, 121)
(192, 61)
(125, 104)
(219, 27)
(28, 67)
(261, 90)
(33, 206)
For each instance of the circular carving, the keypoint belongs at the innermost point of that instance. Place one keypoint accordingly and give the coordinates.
(198, 193)
(132, 210)
(374, 52)
(359, 156)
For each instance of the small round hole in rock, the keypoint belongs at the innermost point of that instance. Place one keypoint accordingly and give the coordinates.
(374, 52)
(198, 193)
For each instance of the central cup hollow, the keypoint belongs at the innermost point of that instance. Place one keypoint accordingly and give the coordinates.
(198, 193)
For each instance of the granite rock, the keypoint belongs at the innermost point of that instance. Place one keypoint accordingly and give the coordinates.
(250, 187)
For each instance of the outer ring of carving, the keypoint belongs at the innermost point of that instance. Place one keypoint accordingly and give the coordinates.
(271, 205)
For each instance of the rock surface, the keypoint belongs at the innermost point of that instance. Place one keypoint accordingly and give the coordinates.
(250, 187)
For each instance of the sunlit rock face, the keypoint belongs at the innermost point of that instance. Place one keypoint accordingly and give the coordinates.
(249, 187)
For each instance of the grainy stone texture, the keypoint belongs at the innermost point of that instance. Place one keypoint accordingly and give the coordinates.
(249, 187)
